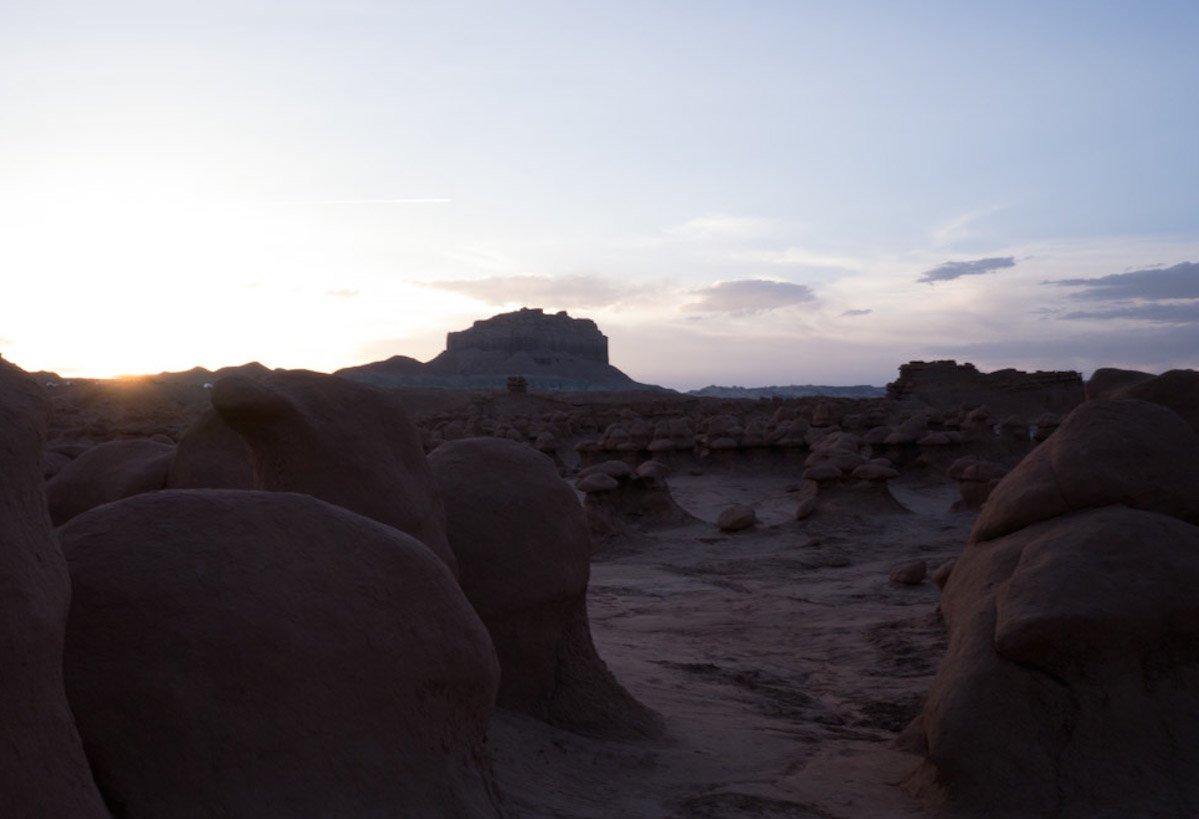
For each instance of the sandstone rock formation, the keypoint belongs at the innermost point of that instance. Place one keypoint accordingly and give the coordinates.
(948, 384)
(619, 500)
(349, 444)
(43, 771)
(234, 653)
(1069, 688)
(1177, 390)
(211, 455)
(108, 472)
(551, 352)
(524, 558)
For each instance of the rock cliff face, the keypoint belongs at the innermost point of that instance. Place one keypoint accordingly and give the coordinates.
(551, 352)
(946, 384)
(530, 330)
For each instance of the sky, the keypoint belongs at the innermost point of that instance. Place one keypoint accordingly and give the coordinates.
(739, 193)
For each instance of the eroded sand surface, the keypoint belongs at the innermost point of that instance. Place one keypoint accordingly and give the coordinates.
(782, 658)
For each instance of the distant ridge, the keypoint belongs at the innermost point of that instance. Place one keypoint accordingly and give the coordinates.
(791, 391)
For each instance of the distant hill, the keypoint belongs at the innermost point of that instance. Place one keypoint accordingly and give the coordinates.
(791, 391)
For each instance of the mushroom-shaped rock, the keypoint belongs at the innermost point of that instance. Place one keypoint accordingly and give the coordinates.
(736, 518)
(822, 472)
(596, 482)
(234, 653)
(874, 472)
(524, 555)
(935, 439)
(793, 434)
(343, 442)
(108, 472)
(844, 459)
(877, 435)
(1106, 452)
(976, 478)
(909, 573)
(43, 771)
(613, 469)
(653, 470)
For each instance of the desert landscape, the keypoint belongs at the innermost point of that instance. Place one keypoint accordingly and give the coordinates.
(259, 592)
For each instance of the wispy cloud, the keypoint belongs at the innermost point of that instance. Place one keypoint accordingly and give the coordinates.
(1178, 282)
(414, 201)
(857, 312)
(722, 226)
(746, 296)
(801, 257)
(343, 294)
(955, 270)
(1161, 312)
(540, 291)
(959, 227)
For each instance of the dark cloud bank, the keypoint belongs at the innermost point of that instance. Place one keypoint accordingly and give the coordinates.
(1159, 295)
(1156, 284)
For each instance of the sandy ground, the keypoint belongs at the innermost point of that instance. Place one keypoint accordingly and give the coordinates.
(782, 659)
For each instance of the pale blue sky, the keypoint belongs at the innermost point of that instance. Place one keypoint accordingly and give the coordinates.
(737, 192)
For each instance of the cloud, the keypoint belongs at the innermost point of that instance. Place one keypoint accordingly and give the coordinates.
(955, 270)
(959, 228)
(425, 201)
(746, 296)
(344, 293)
(800, 257)
(857, 313)
(1178, 282)
(721, 226)
(534, 291)
(1166, 312)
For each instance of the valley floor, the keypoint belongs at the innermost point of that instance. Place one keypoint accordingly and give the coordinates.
(782, 659)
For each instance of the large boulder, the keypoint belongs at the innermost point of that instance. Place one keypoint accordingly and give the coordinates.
(1070, 686)
(108, 472)
(1177, 390)
(211, 455)
(524, 556)
(43, 771)
(1106, 452)
(234, 653)
(343, 442)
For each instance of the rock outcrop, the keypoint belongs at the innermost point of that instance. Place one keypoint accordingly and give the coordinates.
(242, 653)
(108, 472)
(43, 771)
(524, 557)
(1070, 686)
(551, 352)
(948, 384)
(342, 442)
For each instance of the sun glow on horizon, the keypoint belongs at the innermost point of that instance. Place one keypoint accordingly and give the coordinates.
(127, 269)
